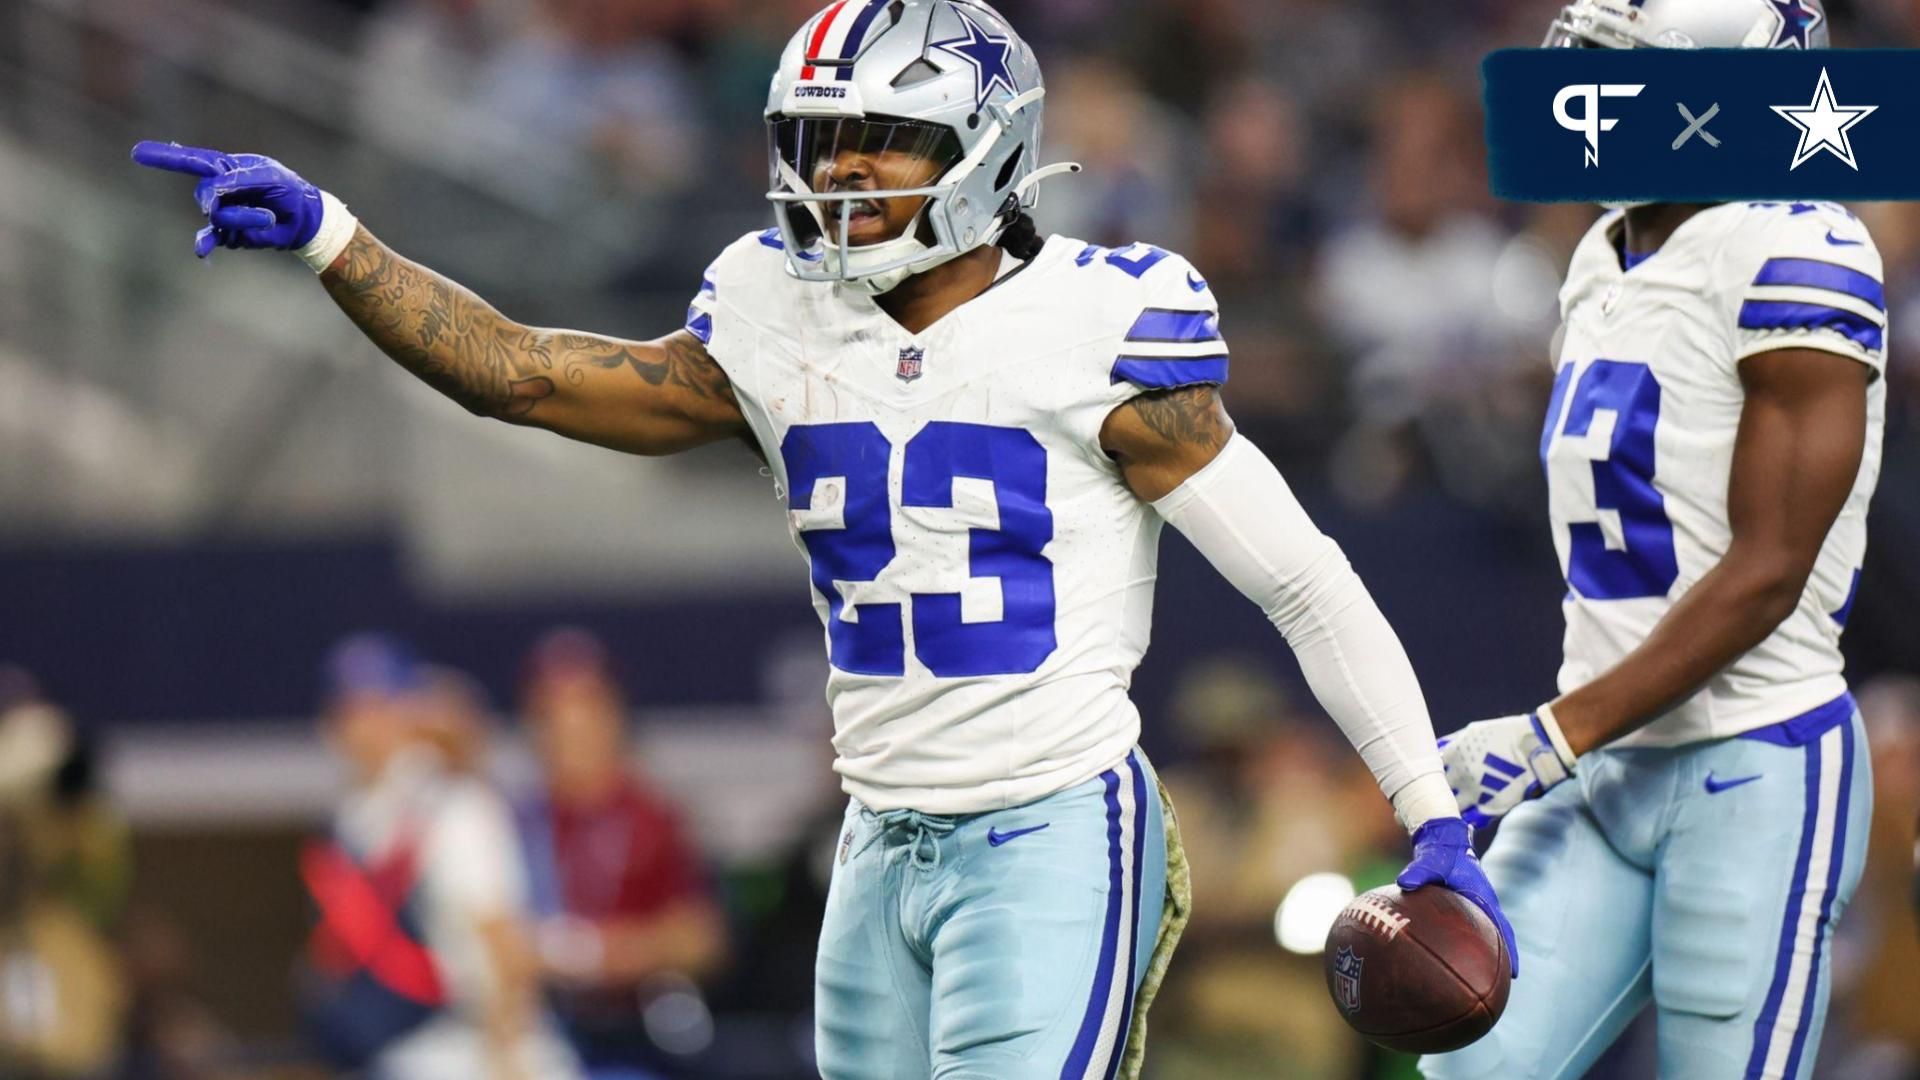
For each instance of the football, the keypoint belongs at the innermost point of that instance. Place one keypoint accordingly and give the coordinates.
(1421, 972)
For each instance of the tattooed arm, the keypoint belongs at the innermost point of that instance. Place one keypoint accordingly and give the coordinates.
(1164, 436)
(644, 397)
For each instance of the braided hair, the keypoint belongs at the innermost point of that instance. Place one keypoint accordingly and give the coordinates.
(1021, 238)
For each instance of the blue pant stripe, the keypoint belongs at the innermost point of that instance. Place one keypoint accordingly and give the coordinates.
(1826, 902)
(1132, 944)
(1783, 956)
(1083, 1044)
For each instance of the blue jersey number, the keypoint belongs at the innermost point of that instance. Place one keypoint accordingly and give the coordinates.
(869, 639)
(1622, 481)
(860, 549)
(1131, 265)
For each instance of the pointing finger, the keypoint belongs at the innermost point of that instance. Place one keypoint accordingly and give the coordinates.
(193, 160)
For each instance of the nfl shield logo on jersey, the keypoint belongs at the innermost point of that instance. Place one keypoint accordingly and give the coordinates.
(1346, 979)
(911, 358)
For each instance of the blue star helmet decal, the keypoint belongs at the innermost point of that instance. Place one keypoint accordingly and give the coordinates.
(1797, 20)
(988, 56)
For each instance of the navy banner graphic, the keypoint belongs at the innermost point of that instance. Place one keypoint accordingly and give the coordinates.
(1703, 125)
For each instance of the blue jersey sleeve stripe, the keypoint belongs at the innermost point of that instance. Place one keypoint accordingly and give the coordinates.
(1816, 274)
(1788, 315)
(700, 325)
(1159, 374)
(1170, 324)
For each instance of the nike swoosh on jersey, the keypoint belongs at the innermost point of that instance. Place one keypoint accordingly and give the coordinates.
(995, 837)
(1839, 242)
(1715, 787)
(1196, 282)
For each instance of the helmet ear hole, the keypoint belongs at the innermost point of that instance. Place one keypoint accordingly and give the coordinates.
(1005, 178)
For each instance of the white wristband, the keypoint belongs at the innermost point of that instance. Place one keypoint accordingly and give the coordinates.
(337, 224)
(1424, 798)
(1554, 735)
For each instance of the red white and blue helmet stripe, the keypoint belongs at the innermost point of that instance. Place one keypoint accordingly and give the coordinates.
(837, 36)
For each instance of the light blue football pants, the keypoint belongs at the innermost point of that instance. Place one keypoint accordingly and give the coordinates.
(1705, 878)
(999, 946)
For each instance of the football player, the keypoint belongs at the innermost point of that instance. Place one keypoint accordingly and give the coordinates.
(1699, 790)
(978, 433)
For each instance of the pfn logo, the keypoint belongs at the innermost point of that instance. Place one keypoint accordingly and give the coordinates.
(1589, 122)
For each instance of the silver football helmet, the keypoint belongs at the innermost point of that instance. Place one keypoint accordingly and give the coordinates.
(945, 81)
(1689, 24)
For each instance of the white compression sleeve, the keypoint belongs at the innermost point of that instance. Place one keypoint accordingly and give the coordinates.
(1242, 516)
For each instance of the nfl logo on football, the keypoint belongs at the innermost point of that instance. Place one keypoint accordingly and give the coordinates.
(1346, 979)
(911, 359)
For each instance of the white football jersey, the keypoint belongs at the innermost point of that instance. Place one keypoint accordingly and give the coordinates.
(984, 576)
(1638, 444)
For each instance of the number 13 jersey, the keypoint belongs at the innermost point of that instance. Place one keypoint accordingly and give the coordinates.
(984, 576)
(1640, 430)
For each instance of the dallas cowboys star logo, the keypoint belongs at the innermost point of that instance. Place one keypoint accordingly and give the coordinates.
(987, 54)
(1823, 125)
(1796, 21)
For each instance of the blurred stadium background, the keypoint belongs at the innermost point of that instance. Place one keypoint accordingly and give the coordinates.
(208, 478)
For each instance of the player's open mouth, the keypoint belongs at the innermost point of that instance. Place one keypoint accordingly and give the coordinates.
(863, 217)
(864, 220)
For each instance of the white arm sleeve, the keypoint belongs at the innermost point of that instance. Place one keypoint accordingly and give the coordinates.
(1242, 516)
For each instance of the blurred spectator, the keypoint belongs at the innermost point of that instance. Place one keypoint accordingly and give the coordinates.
(63, 875)
(1135, 182)
(419, 59)
(1264, 801)
(1254, 220)
(1417, 292)
(627, 909)
(454, 720)
(422, 960)
(595, 90)
(1254, 225)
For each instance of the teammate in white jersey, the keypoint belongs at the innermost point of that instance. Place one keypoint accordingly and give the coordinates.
(1701, 783)
(978, 434)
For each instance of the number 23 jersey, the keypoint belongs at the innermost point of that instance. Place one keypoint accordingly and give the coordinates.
(1638, 444)
(984, 576)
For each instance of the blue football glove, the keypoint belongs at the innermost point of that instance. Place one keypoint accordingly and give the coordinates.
(1443, 855)
(250, 201)
(1493, 765)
